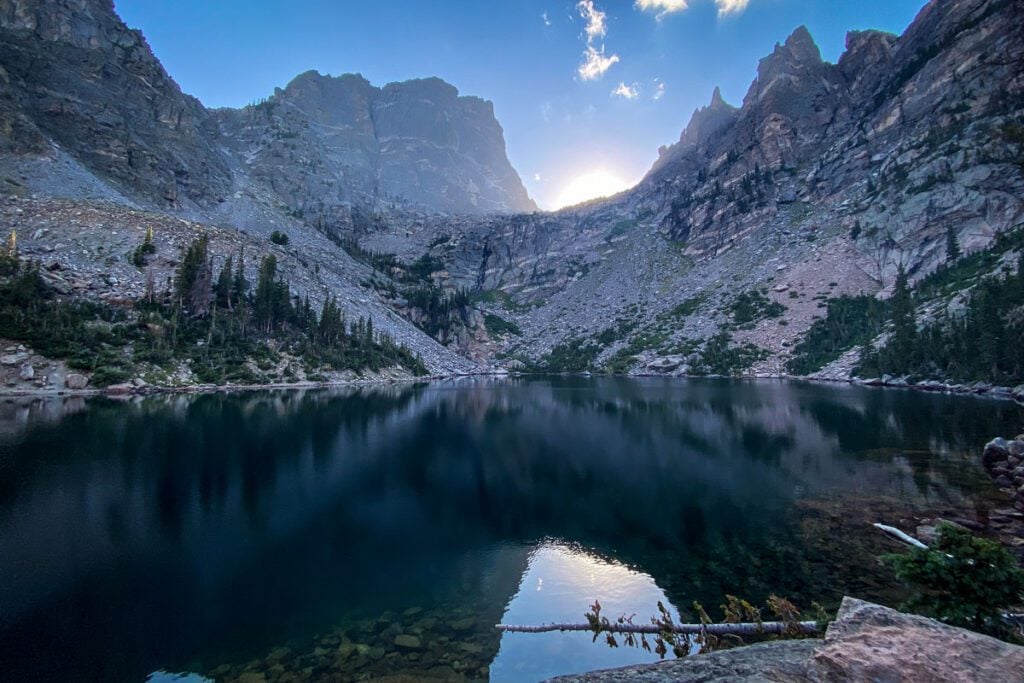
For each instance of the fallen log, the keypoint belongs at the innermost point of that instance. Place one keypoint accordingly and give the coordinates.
(899, 535)
(741, 629)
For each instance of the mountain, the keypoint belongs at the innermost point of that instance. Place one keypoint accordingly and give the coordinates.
(325, 142)
(819, 186)
(74, 75)
(822, 183)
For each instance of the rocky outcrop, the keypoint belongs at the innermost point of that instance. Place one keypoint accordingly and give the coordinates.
(78, 76)
(73, 74)
(325, 143)
(1004, 461)
(866, 642)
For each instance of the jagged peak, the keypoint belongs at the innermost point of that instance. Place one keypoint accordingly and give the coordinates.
(799, 50)
(716, 99)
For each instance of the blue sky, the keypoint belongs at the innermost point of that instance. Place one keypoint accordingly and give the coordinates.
(524, 55)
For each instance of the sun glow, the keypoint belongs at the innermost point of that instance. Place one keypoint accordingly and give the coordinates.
(592, 185)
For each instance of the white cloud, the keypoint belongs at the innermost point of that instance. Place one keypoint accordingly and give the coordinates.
(595, 63)
(662, 7)
(596, 25)
(626, 92)
(544, 18)
(659, 90)
(536, 177)
(731, 6)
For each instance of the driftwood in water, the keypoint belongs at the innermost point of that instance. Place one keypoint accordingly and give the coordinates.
(743, 629)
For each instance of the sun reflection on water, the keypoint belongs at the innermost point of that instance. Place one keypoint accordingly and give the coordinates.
(559, 585)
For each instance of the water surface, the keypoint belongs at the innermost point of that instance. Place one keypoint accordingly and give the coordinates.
(384, 531)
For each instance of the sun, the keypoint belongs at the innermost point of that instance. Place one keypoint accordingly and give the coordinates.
(596, 183)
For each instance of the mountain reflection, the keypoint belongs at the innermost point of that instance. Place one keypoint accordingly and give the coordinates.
(195, 530)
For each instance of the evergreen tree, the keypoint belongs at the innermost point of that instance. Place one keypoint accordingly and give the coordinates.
(194, 278)
(952, 245)
(265, 299)
(239, 285)
(901, 346)
(223, 289)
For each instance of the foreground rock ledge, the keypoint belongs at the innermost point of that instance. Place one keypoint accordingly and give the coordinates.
(867, 642)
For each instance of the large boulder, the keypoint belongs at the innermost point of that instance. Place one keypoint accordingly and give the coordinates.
(866, 642)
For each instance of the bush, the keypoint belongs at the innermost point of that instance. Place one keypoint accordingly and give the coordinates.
(278, 237)
(961, 580)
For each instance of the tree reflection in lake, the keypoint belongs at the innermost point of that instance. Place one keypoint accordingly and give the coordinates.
(195, 531)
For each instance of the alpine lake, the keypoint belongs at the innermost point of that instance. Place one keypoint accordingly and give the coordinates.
(381, 532)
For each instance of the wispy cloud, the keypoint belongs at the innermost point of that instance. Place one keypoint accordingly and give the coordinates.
(595, 61)
(545, 19)
(731, 6)
(597, 26)
(659, 90)
(626, 92)
(663, 7)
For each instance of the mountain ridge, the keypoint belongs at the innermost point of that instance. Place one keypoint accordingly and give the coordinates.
(824, 182)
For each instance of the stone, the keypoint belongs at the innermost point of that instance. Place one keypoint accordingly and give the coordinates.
(868, 642)
(120, 389)
(27, 373)
(76, 381)
(463, 625)
(405, 641)
(995, 451)
(1003, 481)
(14, 358)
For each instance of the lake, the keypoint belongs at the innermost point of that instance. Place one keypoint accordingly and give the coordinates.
(383, 531)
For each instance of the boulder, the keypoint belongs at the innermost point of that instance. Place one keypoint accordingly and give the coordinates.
(995, 451)
(121, 389)
(27, 372)
(76, 381)
(408, 642)
(14, 358)
(868, 642)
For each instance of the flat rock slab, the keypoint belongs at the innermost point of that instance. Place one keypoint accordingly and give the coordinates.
(778, 661)
(867, 643)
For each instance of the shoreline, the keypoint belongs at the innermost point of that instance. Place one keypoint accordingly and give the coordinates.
(978, 389)
(128, 391)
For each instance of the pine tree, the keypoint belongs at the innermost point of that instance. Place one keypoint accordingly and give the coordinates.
(265, 298)
(193, 280)
(952, 245)
(223, 289)
(901, 345)
(239, 285)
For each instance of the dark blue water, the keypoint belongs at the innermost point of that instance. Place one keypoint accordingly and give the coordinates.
(384, 531)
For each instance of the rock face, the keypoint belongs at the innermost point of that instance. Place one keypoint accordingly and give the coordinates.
(867, 642)
(74, 74)
(824, 181)
(325, 143)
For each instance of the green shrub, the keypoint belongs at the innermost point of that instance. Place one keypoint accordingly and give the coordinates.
(961, 580)
(279, 238)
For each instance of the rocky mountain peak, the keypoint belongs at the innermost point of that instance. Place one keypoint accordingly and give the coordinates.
(798, 54)
(716, 99)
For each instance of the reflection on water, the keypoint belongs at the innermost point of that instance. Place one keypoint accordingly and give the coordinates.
(384, 531)
(559, 585)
